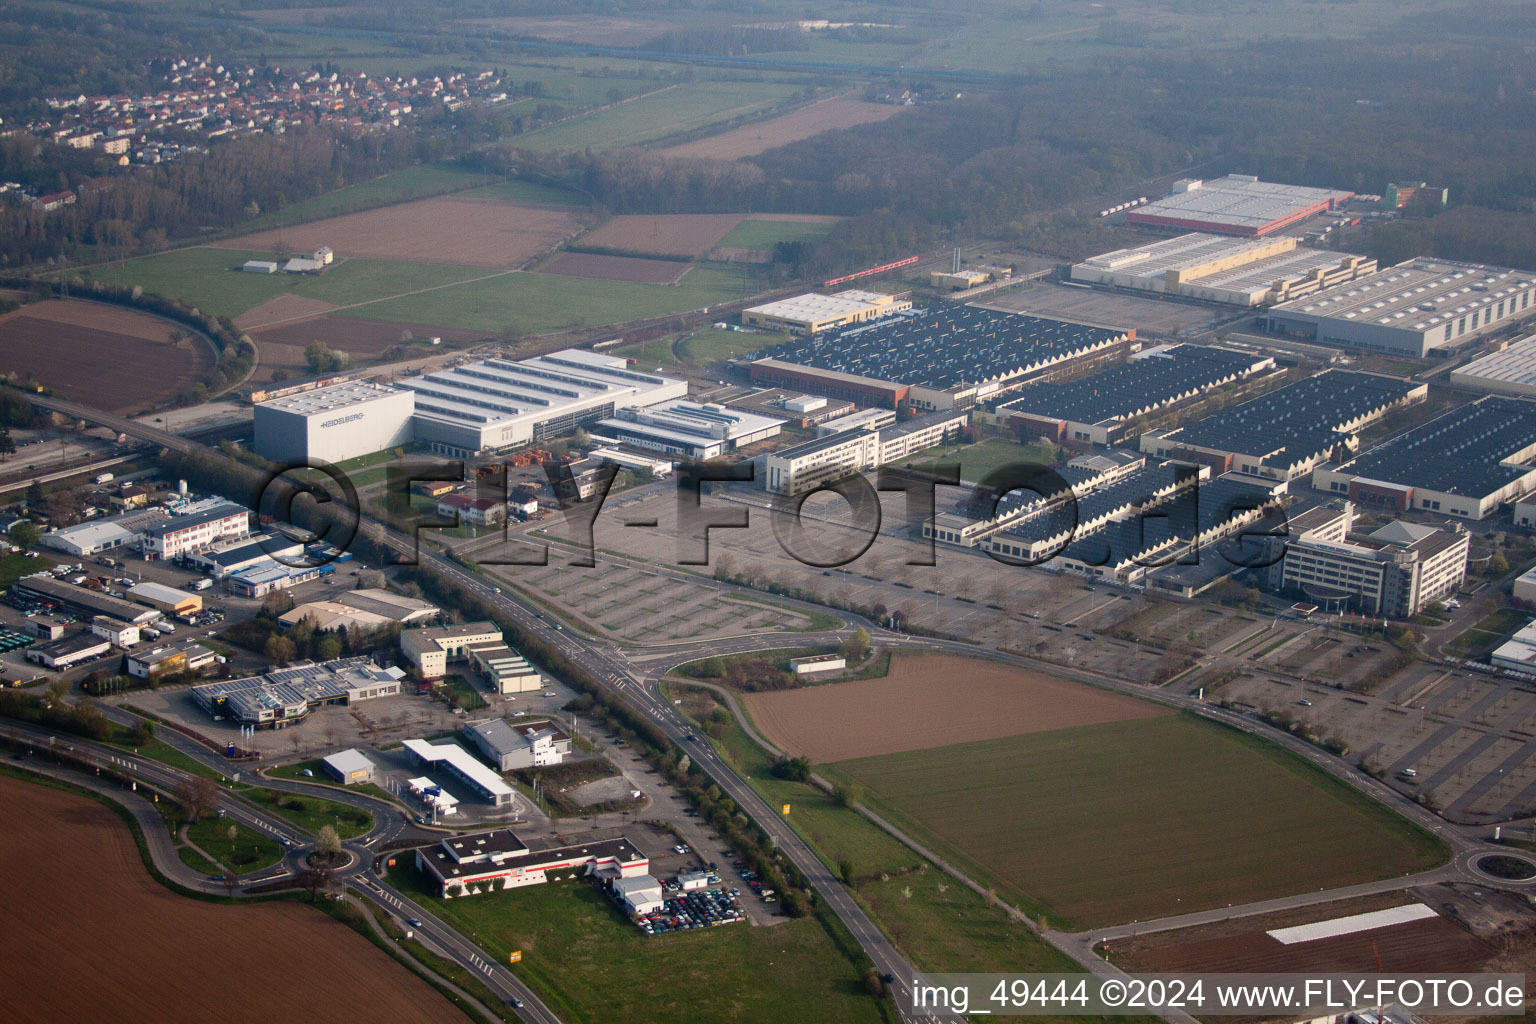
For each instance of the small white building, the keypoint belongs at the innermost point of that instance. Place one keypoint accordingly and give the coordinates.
(818, 664)
(349, 767)
(1525, 586)
(688, 881)
(641, 894)
(115, 631)
(259, 266)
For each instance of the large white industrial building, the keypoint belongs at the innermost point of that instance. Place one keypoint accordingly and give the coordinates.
(500, 404)
(1239, 204)
(1511, 371)
(334, 424)
(694, 429)
(1221, 268)
(1411, 309)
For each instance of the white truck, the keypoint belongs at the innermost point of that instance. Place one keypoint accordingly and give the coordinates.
(202, 584)
(102, 478)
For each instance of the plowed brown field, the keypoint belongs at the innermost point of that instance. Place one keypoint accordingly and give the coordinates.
(121, 360)
(664, 234)
(90, 937)
(752, 139)
(931, 700)
(446, 229)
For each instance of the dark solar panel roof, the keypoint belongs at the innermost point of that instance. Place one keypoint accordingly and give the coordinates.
(944, 348)
(1126, 389)
(1458, 452)
(1301, 419)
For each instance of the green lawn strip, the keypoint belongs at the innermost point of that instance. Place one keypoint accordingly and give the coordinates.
(977, 460)
(16, 565)
(546, 302)
(656, 354)
(1139, 819)
(668, 112)
(311, 812)
(211, 279)
(590, 964)
(709, 345)
(163, 752)
(520, 190)
(249, 851)
(764, 234)
(197, 862)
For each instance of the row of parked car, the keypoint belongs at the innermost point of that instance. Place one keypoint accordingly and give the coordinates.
(702, 908)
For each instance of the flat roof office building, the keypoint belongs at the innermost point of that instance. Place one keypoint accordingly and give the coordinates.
(1239, 204)
(499, 404)
(1510, 372)
(1220, 268)
(1393, 571)
(333, 424)
(1412, 309)
(812, 313)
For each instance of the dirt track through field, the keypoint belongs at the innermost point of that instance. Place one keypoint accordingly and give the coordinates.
(616, 268)
(931, 700)
(90, 937)
(457, 230)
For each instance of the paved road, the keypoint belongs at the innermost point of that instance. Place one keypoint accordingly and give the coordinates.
(613, 666)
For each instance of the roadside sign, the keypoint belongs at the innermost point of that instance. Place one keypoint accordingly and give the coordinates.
(785, 811)
(515, 955)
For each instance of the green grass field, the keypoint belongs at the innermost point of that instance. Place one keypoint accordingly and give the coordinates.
(416, 182)
(764, 234)
(16, 565)
(592, 966)
(312, 812)
(544, 302)
(519, 191)
(678, 109)
(708, 345)
(979, 459)
(249, 851)
(211, 280)
(1134, 820)
(938, 922)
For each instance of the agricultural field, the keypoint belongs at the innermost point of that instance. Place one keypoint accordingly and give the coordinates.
(615, 268)
(282, 345)
(86, 878)
(759, 233)
(1434, 943)
(674, 109)
(81, 349)
(681, 235)
(545, 302)
(456, 230)
(401, 186)
(752, 139)
(520, 190)
(931, 700)
(1105, 823)
(211, 280)
(596, 30)
(571, 934)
